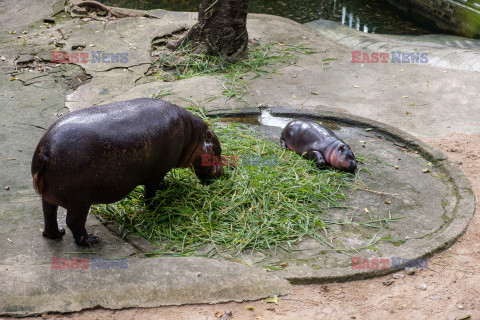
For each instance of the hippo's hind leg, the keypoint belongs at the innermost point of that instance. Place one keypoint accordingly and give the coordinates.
(76, 219)
(51, 225)
(283, 144)
(317, 156)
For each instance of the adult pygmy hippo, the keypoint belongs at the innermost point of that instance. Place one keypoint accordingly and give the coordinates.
(313, 141)
(99, 154)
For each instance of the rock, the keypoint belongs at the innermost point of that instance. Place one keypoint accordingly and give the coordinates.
(388, 282)
(410, 271)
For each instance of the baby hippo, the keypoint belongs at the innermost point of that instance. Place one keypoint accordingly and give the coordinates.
(100, 154)
(313, 141)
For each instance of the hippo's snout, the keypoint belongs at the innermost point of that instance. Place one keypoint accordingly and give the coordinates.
(352, 166)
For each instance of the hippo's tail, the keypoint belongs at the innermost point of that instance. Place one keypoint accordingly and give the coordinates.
(39, 163)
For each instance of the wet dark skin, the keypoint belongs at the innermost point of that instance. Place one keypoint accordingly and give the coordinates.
(100, 154)
(315, 142)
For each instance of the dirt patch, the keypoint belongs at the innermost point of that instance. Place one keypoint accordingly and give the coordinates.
(448, 289)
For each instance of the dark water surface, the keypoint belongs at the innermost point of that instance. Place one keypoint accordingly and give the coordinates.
(364, 15)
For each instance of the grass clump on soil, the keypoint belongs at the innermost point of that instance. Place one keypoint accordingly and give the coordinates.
(252, 206)
(262, 60)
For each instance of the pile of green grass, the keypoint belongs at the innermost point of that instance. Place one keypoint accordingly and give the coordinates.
(250, 207)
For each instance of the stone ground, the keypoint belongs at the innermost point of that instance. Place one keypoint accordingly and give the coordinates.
(435, 102)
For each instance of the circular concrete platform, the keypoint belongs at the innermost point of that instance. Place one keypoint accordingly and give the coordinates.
(409, 202)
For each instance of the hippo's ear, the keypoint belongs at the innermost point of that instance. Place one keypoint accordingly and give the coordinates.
(209, 134)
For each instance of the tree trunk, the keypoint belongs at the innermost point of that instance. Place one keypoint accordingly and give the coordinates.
(221, 29)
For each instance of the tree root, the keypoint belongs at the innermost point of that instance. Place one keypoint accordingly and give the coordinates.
(100, 6)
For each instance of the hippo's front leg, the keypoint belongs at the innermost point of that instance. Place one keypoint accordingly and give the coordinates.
(283, 144)
(76, 219)
(150, 191)
(317, 156)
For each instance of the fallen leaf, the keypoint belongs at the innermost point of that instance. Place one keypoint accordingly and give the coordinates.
(387, 202)
(425, 170)
(412, 104)
(315, 93)
(273, 299)
(366, 210)
(249, 308)
(355, 86)
(281, 43)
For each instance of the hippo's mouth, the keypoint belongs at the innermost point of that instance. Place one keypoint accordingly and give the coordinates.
(218, 171)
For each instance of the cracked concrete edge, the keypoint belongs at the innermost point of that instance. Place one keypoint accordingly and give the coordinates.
(151, 282)
(462, 212)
